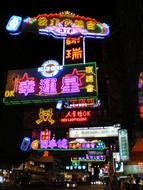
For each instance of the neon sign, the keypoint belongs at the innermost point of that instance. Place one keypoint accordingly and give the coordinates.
(89, 158)
(74, 50)
(50, 68)
(65, 24)
(25, 144)
(76, 116)
(80, 103)
(45, 135)
(45, 115)
(14, 23)
(30, 86)
(123, 145)
(65, 144)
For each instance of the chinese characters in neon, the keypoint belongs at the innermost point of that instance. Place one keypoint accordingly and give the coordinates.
(44, 138)
(66, 24)
(73, 49)
(66, 144)
(30, 85)
(25, 84)
(76, 116)
(78, 103)
(72, 82)
(89, 158)
(61, 143)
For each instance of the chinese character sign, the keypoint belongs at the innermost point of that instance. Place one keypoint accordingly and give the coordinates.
(123, 145)
(75, 116)
(74, 50)
(50, 83)
(65, 24)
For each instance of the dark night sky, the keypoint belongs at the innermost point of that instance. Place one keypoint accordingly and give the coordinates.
(22, 52)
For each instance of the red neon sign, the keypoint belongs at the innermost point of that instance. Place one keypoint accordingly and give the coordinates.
(76, 116)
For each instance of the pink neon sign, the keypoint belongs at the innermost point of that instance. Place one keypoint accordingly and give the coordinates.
(64, 143)
(72, 81)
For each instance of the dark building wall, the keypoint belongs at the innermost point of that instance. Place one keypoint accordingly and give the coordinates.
(124, 62)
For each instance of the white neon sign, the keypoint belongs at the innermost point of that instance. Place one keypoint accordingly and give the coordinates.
(123, 145)
(50, 68)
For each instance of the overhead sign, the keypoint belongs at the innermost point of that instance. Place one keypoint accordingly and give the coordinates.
(51, 82)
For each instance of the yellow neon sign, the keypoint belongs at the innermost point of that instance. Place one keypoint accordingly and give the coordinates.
(9, 93)
(45, 115)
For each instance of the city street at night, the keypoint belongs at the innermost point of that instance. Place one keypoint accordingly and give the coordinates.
(71, 95)
(86, 187)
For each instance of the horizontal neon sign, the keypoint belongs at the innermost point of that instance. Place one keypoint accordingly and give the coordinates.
(66, 144)
(66, 24)
(89, 158)
(30, 86)
(76, 116)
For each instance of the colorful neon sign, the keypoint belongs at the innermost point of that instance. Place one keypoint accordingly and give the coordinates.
(30, 86)
(47, 116)
(66, 24)
(89, 158)
(65, 144)
(107, 131)
(50, 68)
(76, 116)
(80, 103)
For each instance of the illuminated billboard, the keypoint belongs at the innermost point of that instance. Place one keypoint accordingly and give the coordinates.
(123, 145)
(51, 82)
(90, 132)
